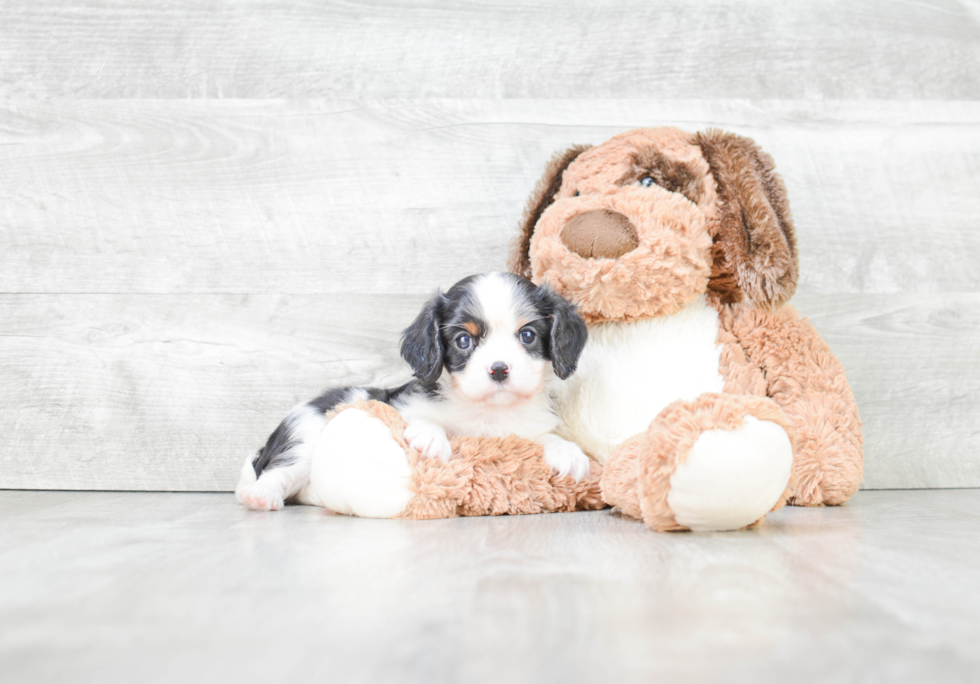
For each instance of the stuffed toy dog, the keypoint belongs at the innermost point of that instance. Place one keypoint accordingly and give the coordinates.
(708, 401)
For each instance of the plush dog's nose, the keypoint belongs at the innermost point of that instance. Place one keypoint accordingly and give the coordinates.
(499, 371)
(600, 234)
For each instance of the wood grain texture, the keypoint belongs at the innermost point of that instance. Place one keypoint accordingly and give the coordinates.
(209, 212)
(169, 392)
(225, 49)
(912, 363)
(391, 197)
(123, 587)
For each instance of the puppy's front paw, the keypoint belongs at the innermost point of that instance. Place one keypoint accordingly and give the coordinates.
(566, 458)
(429, 439)
(259, 496)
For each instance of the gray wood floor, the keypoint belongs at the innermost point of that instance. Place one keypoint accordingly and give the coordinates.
(211, 212)
(191, 587)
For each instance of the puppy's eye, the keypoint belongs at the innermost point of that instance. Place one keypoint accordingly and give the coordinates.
(646, 182)
(464, 341)
(527, 336)
(577, 193)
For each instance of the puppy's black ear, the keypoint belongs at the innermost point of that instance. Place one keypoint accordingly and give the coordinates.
(568, 332)
(422, 344)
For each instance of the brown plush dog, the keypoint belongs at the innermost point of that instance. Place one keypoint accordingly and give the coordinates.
(707, 399)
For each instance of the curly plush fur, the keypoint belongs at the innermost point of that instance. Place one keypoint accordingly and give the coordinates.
(711, 220)
(485, 476)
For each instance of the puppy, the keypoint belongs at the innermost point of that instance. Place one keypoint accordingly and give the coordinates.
(483, 354)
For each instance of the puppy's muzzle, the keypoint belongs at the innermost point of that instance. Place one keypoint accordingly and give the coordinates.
(600, 234)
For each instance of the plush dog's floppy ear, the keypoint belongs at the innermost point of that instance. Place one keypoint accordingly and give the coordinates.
(422, 344)
(755, 230)
(568, 332)
(542, 198)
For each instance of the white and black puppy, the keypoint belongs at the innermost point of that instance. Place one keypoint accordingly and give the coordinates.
(483, 354)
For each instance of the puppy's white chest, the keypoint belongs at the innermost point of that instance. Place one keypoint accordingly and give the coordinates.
(530, 420)
(629, 372)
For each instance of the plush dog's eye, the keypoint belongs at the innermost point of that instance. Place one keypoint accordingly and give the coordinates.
(646, 182)
(464, 341)
(527, 336)
(577, 193)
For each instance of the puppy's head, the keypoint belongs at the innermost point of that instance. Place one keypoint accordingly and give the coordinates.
(496, 336)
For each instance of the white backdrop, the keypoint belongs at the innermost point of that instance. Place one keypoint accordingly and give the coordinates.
(209, 213)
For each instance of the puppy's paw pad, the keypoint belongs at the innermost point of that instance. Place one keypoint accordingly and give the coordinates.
(259, 497)
(429, 441)
(566, 458)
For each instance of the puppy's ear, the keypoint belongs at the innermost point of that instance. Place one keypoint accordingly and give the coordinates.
(542, 198)
(422, 344)
(755, 230)
(568, 332)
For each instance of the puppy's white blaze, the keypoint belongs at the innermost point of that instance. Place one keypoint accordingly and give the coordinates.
(503, 307)
(501, 303)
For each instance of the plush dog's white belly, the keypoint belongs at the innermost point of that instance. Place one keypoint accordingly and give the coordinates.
(629, 372)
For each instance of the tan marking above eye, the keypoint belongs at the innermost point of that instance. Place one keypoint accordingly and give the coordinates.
(472, 328)
(523, 321)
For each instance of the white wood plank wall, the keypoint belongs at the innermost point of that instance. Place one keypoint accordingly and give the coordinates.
(210, 212)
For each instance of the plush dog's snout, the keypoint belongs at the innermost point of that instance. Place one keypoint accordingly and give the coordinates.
(499, 371)
(600, 233)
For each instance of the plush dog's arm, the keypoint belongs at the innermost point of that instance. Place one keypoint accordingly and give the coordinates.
(362, 465)
(808, 382)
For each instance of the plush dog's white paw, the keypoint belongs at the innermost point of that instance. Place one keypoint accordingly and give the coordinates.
(259, 496)
(731, 478)
(564, 457)
(429, 439)
(359, 468)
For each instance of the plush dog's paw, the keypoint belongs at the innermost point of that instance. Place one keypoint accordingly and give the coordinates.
(566, 458)
(429, 439)
(259, 496)
(731, 478)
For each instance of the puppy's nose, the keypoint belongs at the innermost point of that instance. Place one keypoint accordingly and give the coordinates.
(600, 234)
(499, 371)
